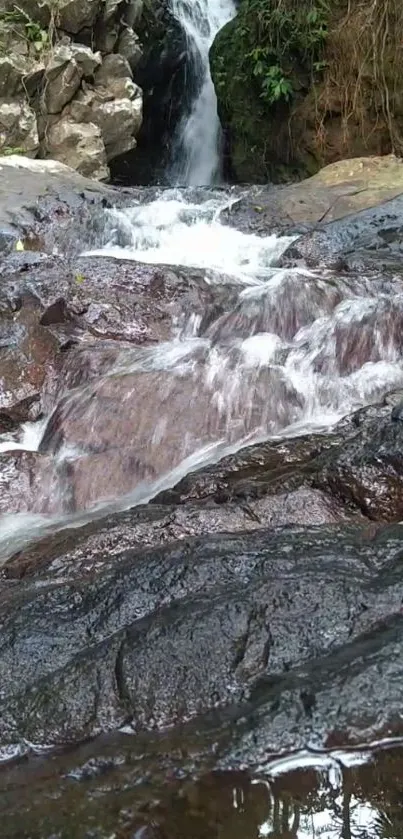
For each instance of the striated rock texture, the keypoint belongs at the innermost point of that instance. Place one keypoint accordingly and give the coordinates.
(301, 85)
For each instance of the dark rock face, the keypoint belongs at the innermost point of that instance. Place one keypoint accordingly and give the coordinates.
(287, 110)
(234, 610)
(162, 75)
(376, 231)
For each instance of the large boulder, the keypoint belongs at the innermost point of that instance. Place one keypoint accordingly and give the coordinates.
(114, 105)
(80, 145)
(75, 15)
(129, 46)
(336, 191)
(18, 128)
(286, 81)
(62, 79)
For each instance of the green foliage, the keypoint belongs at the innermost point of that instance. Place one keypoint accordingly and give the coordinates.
(277, 39)
(274, 84)
(6, 151)
(33, 32)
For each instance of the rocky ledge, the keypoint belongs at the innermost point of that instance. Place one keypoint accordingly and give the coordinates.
(72, 76)
(253, 608)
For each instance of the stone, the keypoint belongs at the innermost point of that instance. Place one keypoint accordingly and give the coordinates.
(75, 15)
(375, 232)
(129, 46)
(110, 9)
(367, 469)
(12, 70)
(255, 619)
(337, 191)
(27, 354)
(108, 423)
(18, 128)
(78, 145)
(21, 476)
(134, 12)
(113, 67)
(62, 79)
(117, 111)
(107, 38)
(87, 60)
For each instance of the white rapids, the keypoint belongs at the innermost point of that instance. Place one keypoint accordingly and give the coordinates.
(197, 149)
(295, 350)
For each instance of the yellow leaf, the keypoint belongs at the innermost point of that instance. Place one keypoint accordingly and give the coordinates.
(19, 245)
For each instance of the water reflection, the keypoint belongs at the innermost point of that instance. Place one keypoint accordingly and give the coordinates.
(122, 791)
(332, 803)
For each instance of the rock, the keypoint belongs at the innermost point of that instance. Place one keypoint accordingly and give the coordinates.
(110, 9)
(116, 111)
(377, 230)
(234, 609)
(336, 191)
(75, 15)
(129, 46)
(107, 38)
(18, 128)
(22, 478)
(367, 470)
(104, 298)
(113, 67)
(108, 423)
(48, 196)
(63, 76)
(295, 301)
(87, 60)
(80, 145)
(11, 76)
(28, 352)
(134, 12)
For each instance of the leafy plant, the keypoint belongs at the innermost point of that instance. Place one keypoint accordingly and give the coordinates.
(34, 33)
(8, 150)
(276, 86)
(283, 35)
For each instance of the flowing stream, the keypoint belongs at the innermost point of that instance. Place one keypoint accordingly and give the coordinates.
(288, 350)
(197, 149)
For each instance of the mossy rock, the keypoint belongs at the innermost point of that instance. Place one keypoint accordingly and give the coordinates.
(304, 83)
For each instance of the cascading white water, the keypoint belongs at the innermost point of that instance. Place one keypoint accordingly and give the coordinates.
(292, 350)
(197, 149)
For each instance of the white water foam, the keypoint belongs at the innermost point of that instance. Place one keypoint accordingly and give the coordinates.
(197, 149)
(175, 231)
(26, 439)
(272, 365)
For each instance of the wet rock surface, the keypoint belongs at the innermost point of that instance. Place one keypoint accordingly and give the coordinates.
(254, 605)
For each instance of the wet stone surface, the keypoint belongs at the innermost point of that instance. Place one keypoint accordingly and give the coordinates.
(250, 605)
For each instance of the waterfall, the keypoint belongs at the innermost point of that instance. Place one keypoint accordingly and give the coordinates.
(197, 146)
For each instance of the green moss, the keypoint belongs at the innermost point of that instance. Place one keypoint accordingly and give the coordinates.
(301, 83)
(261, 61)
